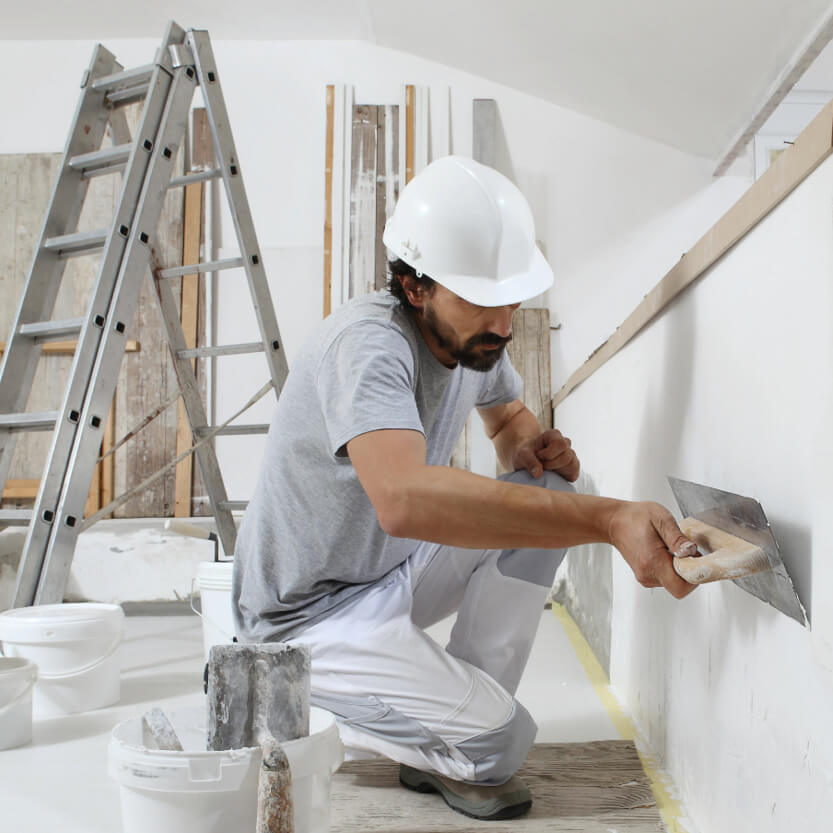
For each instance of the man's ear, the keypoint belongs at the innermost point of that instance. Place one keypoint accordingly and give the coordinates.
(415, 291)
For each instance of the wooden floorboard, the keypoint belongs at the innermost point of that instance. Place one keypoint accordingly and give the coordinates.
(589, 787)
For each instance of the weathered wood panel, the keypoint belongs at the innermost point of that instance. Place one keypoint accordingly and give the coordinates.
(374, 191)
(146, 377)
(363, 201)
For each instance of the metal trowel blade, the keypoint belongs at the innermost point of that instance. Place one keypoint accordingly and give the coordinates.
(745, 518)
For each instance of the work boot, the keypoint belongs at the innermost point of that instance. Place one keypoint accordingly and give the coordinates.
(474, 800)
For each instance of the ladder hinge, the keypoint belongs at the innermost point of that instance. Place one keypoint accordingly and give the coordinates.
(181, 55)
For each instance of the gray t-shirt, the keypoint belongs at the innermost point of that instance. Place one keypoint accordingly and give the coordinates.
(310, 538)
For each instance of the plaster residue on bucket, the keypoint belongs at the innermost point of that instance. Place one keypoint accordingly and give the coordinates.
(216, 791)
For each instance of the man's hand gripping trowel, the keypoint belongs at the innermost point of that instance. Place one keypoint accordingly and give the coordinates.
(735, 537)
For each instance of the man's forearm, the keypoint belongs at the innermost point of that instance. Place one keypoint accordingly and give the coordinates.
(458, 508)
(521, 428)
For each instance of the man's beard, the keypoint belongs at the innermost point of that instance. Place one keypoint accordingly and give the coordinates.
(466, 355)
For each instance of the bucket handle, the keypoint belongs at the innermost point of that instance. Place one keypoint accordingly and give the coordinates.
(24, 692)
(208, 619)
(84, 669)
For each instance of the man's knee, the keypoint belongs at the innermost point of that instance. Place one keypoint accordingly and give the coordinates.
(548, 480)
(498, 754)
(537, 566)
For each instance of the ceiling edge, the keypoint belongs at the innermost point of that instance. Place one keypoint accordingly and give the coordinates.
(790, 76)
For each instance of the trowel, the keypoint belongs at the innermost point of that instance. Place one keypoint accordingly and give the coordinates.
(737, 543)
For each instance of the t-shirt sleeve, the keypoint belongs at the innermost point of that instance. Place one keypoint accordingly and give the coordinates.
(501, 385)
(366, 383)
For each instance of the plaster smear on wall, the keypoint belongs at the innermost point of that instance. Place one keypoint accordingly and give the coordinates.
(732, 388)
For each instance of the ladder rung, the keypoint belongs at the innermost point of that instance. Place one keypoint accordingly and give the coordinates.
(43, 421)
(126, 79)
(197, 176)
(233, 505)
(208, 266)
(80, 243)
(52, 330)
(15, 517)
(234, 430)
(104, 161)
(224, 350)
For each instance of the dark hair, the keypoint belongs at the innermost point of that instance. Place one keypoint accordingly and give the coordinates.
(399, 269)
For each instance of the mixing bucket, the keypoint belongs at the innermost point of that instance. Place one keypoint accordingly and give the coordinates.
(75, 648)
(198, 791)
(17, 676)
(214, 581)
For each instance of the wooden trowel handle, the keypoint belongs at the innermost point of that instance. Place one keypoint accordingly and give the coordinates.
(728, 556)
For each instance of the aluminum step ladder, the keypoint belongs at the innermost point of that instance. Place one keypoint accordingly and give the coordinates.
(166, 86)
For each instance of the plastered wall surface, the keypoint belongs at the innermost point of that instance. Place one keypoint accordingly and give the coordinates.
(732, 388)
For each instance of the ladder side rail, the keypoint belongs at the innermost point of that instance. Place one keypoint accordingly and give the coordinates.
(73, 495)
(195, 410)
(20, 358)
(239, 205)
(89, 341)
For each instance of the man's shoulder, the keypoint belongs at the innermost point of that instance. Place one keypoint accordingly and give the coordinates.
(379, 312)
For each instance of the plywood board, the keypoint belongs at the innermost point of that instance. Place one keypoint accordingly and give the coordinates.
(189, 316)
(374, 191)
(363, 200)
(791, 168)
(148, 379)
(26, 182)
(590, 787)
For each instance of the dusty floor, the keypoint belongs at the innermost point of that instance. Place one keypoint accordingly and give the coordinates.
(60, 781)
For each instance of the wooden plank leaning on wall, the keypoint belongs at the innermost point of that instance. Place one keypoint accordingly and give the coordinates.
(791, 168)
(192, 229)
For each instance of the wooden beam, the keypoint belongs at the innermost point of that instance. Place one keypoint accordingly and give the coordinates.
(410, 131)
(108, 464)
(791, 168)
(21, 489)
(189, 316)
(67, 348)
(328, 202)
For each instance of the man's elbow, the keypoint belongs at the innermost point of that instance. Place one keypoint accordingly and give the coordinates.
(394, 511)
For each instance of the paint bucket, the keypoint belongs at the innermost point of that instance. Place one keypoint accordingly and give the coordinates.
(17, 677)
(75, 648)
(214, 581)
(198, 791)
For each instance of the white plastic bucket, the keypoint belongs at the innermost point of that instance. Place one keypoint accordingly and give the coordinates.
(17, 676)
(75, 647)
(214, 581)
(196, 791)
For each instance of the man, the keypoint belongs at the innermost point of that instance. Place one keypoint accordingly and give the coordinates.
(359, 534)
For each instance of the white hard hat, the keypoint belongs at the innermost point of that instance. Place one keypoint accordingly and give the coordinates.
(470, 229)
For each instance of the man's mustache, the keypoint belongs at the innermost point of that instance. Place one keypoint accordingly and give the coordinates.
(489, 339)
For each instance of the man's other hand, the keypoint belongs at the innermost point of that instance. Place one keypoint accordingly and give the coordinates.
(549, 451)
(646, 534)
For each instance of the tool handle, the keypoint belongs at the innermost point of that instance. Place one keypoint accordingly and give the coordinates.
(729, 557)
(190, 530)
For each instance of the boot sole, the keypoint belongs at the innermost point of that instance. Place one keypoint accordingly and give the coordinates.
(424, 783)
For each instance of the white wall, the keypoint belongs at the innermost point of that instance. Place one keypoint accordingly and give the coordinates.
(613, 211)
(731, 388)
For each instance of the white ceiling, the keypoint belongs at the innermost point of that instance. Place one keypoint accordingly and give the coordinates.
(689, 73)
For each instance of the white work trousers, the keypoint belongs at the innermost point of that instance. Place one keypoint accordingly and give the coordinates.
(396, 692)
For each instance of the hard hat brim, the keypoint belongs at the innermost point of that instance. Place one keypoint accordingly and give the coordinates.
(511, 290)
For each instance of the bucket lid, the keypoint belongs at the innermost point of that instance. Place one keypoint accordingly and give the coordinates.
(60, 622)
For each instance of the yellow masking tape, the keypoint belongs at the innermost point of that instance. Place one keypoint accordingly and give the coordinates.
(670, 810)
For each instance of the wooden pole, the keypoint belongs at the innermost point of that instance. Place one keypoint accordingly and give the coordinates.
(410, 131)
